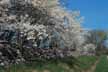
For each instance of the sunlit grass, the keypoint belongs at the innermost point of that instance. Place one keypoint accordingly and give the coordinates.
(84, 63)
(102, 66)
(87, 61)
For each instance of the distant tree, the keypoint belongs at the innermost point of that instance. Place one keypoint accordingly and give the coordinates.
(96, 37)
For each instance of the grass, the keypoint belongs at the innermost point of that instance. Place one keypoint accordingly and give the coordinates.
(102, 66)
(59, 65)
(35, 68)
(87, 61)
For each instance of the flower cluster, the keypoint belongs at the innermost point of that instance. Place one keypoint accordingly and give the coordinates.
(28, 25)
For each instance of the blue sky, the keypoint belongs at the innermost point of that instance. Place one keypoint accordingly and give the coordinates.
(95, 12)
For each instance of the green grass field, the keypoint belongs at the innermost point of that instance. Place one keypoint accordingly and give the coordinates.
(35, 68)
(102, 66)
(85, 63)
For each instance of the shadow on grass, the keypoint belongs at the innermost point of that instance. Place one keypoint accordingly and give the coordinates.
(68, 64)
